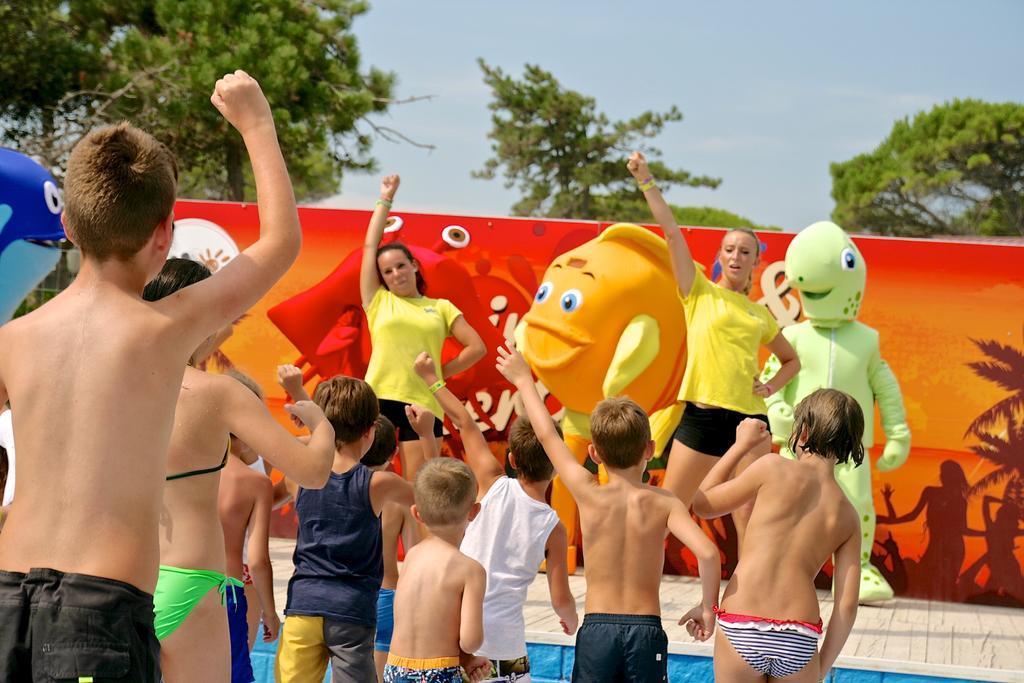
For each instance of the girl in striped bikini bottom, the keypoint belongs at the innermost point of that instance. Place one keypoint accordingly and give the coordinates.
(773, 647)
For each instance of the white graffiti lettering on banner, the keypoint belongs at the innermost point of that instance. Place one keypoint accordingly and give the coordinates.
(777, 294)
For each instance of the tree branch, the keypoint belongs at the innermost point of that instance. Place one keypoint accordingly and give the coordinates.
(110, 98)
(392, 135)
(407, 100)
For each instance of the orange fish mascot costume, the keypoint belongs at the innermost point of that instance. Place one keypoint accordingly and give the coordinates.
(607, 321)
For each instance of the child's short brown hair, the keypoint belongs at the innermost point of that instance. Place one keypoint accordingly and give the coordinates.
(120, 185)
(444, 490)
(384, 445)
(532, 463)
(620, 431)
(834, 424)
(349, 404)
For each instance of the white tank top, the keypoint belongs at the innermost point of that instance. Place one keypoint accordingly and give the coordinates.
(7, 441)
(508, 539)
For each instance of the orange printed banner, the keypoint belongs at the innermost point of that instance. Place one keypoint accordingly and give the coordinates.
(950, 316)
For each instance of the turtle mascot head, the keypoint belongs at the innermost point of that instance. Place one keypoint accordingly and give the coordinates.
(826, 267)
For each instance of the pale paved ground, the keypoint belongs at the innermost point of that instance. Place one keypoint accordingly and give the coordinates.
(909, 636)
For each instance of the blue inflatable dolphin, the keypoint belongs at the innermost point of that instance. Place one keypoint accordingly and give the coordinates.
(30, 228)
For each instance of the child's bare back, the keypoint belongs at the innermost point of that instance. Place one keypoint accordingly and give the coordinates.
(95, 373)
(625, 526)
(440, 595)
(800, 520)
(93, 421)
(428, 600)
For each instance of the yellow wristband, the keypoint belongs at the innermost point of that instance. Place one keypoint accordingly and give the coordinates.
(436, 386)
(646, 184)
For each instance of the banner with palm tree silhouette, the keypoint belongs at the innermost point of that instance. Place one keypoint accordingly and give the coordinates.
(950, 315)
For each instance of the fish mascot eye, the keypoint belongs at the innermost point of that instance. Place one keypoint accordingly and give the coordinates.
(571, 300)
(543, 292)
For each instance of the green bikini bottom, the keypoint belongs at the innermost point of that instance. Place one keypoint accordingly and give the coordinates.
(178, 591)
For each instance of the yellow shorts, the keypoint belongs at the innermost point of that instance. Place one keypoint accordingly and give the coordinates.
(308, 643)
(302, 653)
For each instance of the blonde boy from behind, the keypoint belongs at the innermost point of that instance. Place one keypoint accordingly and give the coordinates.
(392, 521)
(95, 375)
(624, 524)
(440, 594)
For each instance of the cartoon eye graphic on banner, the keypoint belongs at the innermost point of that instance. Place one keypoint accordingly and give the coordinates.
(393, 224)
(455, 236)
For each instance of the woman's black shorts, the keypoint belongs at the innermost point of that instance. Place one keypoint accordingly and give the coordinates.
(395, 411)
(711, 431)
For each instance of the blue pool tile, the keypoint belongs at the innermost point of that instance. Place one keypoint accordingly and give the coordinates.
(689, 669)
(853, 676)
(553, 664)
(546, 661)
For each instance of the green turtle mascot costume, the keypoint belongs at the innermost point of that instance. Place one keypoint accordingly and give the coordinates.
(836, 351)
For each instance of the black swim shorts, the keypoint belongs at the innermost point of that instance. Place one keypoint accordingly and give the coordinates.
(57, 626)
(621, 648)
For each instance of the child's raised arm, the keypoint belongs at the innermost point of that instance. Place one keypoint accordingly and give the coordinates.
(481, 461)
(679, 252)
(308, 464)
(846, 582)
(211, 304)
(709, 566)
(471, 622)
(422, 421)
(512, 365)
(369, 278)
(719, 495)
(556, 552)
(259, 559)
(290, 379)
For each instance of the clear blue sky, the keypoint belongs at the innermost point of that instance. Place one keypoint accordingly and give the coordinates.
(771, 92)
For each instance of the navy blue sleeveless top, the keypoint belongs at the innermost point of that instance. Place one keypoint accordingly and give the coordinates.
(338, 558)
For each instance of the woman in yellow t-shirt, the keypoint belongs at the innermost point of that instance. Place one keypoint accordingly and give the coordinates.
(403, 323)
(725, 331)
